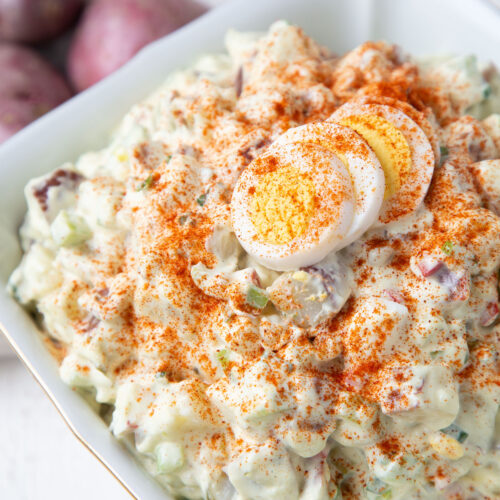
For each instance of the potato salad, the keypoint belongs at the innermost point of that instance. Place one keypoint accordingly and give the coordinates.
(279, 281)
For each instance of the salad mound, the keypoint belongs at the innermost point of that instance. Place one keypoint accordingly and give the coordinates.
(280, 278)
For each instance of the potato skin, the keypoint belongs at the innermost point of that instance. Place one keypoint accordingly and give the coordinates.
(29, 87)
(111, 32)
(36, 20)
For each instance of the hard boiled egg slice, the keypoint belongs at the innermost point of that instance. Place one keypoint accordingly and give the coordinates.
(293, 205)
(417, 116)
(361, 162)
(403, 150)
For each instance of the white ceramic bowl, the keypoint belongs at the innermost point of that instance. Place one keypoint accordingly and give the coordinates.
(419, 26)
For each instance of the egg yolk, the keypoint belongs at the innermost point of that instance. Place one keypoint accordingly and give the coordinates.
(388, 143)
(282, 205)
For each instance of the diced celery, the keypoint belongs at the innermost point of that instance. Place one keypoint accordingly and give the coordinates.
(223, 357)
(256, 297)
(169, 457)
(69, 229)
(456, 432)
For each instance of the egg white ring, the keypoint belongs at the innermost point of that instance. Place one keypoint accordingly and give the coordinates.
(415, 184)
(366, 173)
(327, 173)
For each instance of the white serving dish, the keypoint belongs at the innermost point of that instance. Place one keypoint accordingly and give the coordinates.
(419, 26)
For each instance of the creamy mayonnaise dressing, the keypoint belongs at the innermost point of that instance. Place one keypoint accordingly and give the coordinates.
(371, 374)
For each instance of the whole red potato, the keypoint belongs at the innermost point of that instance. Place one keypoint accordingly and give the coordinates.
(29, 87)
(112, 31)
(36, 20)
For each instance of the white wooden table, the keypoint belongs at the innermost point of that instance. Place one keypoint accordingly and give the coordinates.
(40, 459)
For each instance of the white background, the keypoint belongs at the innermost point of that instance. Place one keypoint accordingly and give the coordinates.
(40, 459)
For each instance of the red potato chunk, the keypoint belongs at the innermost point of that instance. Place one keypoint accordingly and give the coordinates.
(489, 314)
(29, 87)
(112, 32)
(36, 20)
(429, 266)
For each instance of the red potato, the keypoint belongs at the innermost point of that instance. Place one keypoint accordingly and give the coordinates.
(36, 20)
(29, 87)
(111, 32)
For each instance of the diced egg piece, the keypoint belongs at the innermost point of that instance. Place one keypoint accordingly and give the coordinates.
(403, 150)
(361, 162)
(293, 205)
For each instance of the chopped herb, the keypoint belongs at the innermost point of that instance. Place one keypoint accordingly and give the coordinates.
(256, 297)
(223, 357)
(456, 432)
(447, 247)
(183, 219)
(435, 354)
(145, 184)
(201, 199)
(444, 151)
(169, 157)
(161, 374)
(229, 318)
(486, 91)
